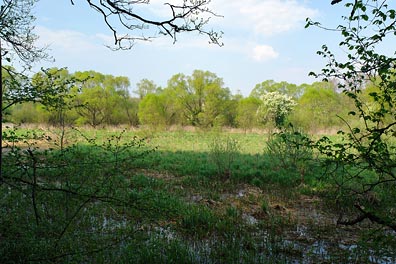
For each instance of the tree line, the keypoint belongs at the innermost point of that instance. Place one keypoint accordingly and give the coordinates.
(58, 97)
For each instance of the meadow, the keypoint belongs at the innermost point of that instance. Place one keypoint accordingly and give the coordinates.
(143, 196)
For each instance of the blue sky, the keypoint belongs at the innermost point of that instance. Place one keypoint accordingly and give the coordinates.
(263, 39)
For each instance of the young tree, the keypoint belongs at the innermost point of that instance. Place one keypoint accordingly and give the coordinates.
(201, 96)
(100, 95)
(246, 112)
(152, 111)
(215, 109)
(367, 154)
(318, 107)
(275, 108)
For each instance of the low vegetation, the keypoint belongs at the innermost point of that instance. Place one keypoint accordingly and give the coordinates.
(175, 197)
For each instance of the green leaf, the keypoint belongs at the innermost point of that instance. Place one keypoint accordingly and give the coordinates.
(355, 130)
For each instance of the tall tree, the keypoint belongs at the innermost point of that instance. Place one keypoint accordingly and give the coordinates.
(193, 93)
(275, 108)
(128, 105)
(145, 87)
(270, 86)
(160, 109)
(318, 107)
(246, 112)
(58, 89)
(216, 106)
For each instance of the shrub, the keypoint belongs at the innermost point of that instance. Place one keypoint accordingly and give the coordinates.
(290, 150)
(223, 152)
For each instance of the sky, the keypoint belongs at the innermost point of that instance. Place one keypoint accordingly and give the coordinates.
(263, 40)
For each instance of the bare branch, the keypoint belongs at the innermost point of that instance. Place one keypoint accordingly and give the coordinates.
(17, 32)
(367, 215)
(189, 16)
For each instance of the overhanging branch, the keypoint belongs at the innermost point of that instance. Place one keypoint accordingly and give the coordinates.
(367, 215)
(185, 17)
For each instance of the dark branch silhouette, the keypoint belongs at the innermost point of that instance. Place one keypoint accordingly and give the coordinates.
(367, 215)
(335, 2)
(353, 9)
(189, 16)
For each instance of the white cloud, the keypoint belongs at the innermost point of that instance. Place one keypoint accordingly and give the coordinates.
(67, 40)
(266, 17)
(263, 52)
(74, 42)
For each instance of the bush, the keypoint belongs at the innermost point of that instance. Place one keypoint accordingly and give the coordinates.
(290, 150)
(223, 152)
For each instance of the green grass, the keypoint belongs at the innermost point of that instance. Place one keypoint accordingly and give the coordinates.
(117, 199)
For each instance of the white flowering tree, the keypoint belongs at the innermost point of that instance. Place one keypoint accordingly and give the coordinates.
(275, 108)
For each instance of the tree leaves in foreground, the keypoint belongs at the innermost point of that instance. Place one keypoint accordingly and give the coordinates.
(67, 205)
(363, 164)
